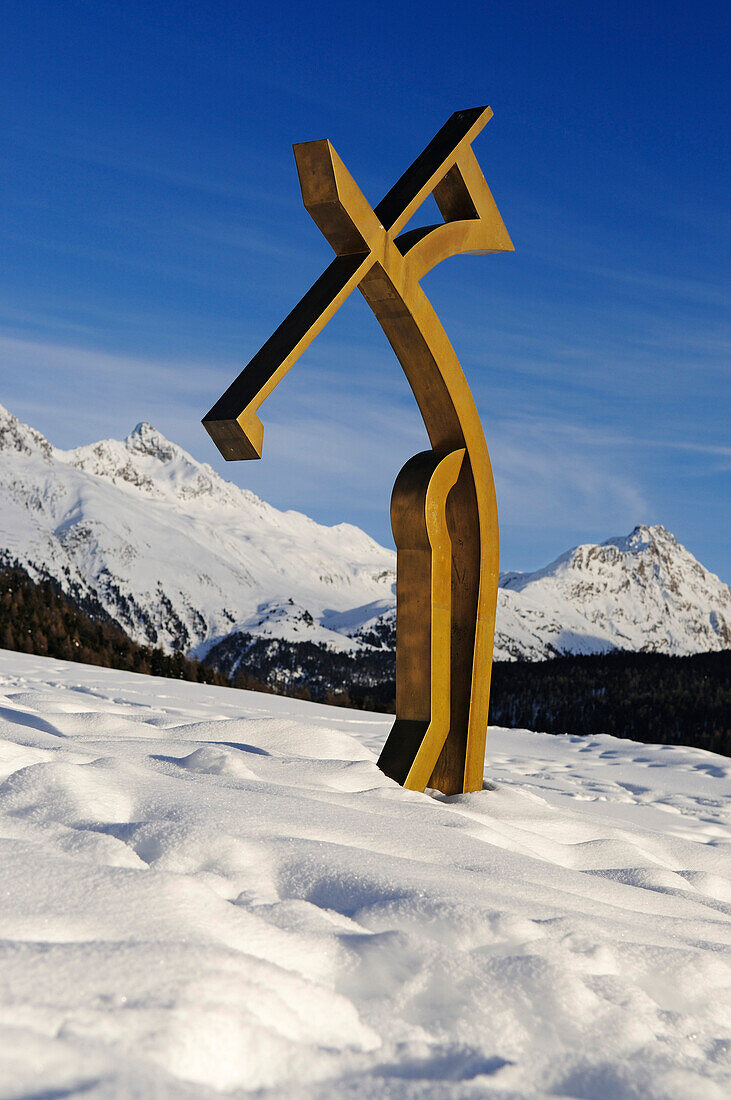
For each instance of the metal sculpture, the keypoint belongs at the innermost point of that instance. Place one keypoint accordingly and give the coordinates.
(443, 508)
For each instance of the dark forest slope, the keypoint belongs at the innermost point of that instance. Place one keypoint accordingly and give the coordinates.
(642, 696)
(37, 618)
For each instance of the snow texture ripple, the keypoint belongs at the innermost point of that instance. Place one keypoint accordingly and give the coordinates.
(208, 892)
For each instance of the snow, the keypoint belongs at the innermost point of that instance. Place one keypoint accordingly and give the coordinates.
(289, 621)
(208, 891)
(643, 591)
(178, 556)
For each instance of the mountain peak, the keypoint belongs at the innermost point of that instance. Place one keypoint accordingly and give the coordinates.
(17, 436)
(148, 440)
(147, 462)
(638, 591)
(642, 537)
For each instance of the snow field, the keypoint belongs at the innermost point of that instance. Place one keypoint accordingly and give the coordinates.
(206, 891)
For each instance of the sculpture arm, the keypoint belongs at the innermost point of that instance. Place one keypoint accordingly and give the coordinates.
(232, 423)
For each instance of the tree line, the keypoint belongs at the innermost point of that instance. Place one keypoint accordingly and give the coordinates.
(642, 696)
(35, 617)
(649, 697)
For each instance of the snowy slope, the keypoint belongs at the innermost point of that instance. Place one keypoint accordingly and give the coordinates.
(206, 890)
(181, 558)
(174, 553)
(643, 592)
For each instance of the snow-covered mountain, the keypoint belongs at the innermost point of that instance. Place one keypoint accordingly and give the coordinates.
(642, 592)
(182, 558)
(174, 553)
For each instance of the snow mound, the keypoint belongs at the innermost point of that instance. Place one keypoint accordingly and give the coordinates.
(208, 891)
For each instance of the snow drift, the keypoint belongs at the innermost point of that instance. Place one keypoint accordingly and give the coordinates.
(208, 891)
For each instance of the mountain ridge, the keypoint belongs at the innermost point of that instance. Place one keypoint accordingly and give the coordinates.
(181, 558)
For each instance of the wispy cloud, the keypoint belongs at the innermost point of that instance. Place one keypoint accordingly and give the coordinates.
(546, 476)
(696, 290)
(74, 394)
(123, 156)
(335, 437)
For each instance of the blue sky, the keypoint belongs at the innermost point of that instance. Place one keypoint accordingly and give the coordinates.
(153, 236)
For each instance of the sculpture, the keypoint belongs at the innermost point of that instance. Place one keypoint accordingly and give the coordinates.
(443, 508)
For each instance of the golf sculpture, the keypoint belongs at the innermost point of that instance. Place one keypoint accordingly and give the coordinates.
(443, 508)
